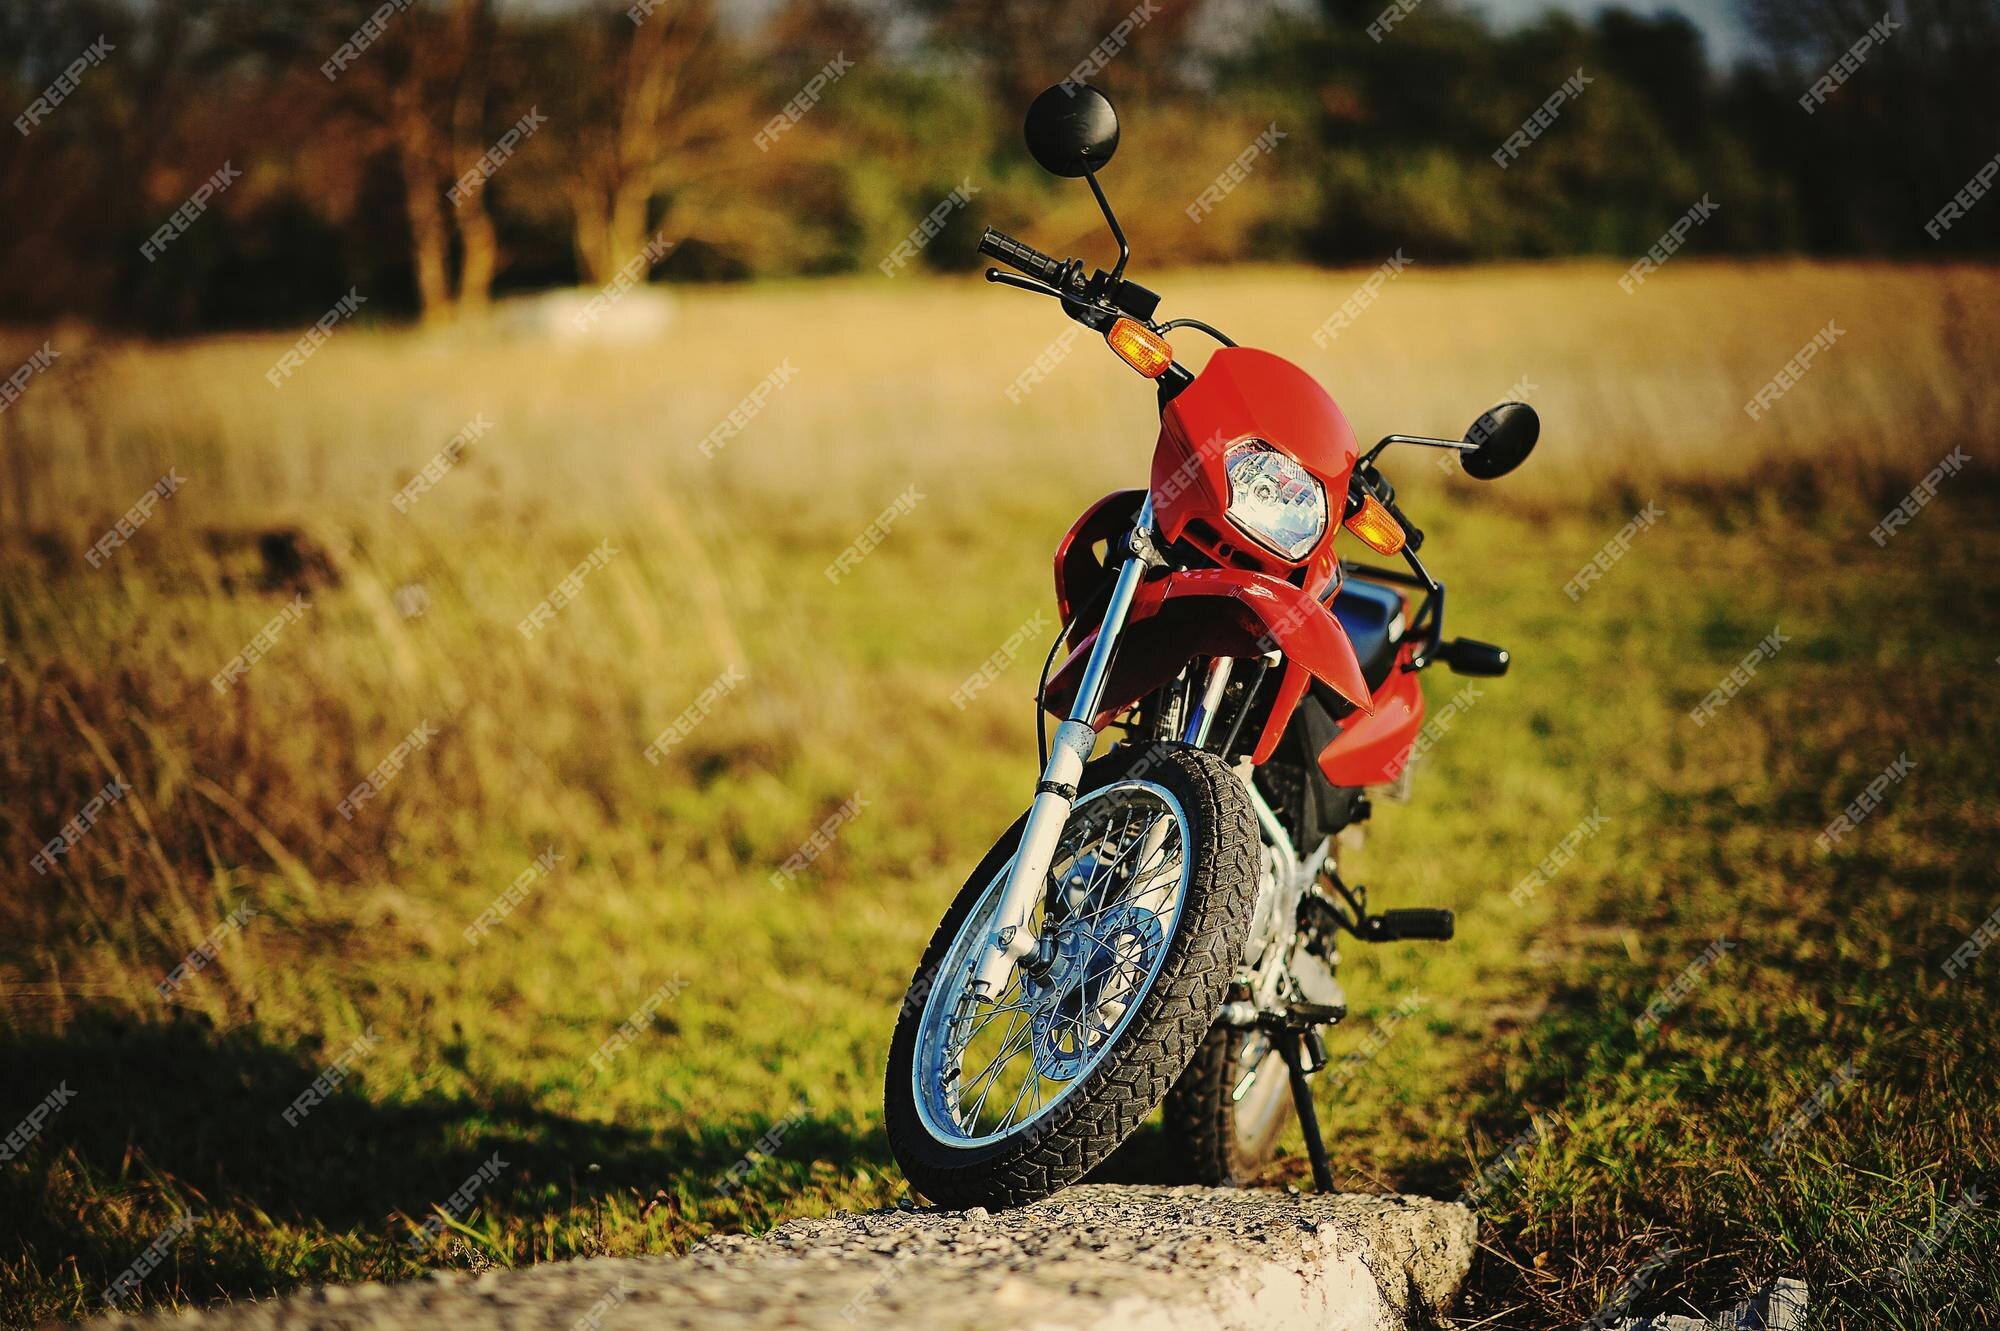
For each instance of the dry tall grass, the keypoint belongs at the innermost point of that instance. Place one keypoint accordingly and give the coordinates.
(894, 380)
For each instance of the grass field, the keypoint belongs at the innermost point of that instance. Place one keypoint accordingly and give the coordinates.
(754, 1093)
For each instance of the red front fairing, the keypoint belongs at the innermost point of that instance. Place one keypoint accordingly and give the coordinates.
(1243, 394)
(1256, 599)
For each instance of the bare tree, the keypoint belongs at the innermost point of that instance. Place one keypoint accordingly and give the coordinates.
(479, 241)
(414, 140)
(651, 118)
(427, 96)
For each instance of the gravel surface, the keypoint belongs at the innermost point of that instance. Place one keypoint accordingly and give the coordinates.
(1099, 1256)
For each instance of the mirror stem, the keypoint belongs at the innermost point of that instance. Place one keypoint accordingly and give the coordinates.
(1456, 445)
(1117, 232)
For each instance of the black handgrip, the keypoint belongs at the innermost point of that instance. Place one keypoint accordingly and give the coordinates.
(999, 245)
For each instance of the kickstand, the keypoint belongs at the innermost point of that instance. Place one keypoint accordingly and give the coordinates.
(1289, 1042)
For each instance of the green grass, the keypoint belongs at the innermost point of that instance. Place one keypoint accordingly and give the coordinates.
(1710, 832)
(789, 996)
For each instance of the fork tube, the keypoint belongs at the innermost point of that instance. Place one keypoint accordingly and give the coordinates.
(1091, 687)
(1211, 698)
(1056, 795)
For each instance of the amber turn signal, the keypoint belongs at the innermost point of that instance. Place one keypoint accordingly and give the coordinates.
(1140, 347)
(1377, 528)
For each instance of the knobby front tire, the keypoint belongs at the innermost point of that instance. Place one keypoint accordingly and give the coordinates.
(1148, 1053)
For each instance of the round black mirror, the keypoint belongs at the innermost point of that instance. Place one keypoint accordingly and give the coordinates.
(1072, 130)
(1502, 440)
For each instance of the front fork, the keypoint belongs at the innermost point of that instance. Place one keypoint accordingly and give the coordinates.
(1012, 938)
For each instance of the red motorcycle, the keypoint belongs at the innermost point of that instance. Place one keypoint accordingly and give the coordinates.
(1160, 925)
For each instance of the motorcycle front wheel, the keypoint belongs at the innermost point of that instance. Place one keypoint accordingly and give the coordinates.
(1004, 1100)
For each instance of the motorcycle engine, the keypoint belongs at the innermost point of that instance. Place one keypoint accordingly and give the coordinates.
(1282, 962)
(1312, 966)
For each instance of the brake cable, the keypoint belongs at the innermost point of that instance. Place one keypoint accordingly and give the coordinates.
(1199, 326)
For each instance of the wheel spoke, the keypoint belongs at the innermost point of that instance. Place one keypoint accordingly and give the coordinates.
(1140, 875)
(1129, 902)
(1016, 1024)
(1027, 1081)
(1106, 935)
(1024, 1005)
(991, 1076)
(986, 1015)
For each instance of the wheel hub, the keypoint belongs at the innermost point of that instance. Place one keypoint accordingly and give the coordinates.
(1079, 997)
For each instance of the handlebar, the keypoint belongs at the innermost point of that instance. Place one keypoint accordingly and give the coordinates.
(999, 245)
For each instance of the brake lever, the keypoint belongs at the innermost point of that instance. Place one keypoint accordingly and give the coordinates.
(1092, 316)
(1025, 283)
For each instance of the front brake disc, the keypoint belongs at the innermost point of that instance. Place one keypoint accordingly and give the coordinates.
(1083, 980)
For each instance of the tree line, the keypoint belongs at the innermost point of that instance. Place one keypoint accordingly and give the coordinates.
(188, 164)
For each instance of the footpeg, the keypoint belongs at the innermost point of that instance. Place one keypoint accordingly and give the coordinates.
(1467, 657)
(1306, 1016)
(1293, 1018)
(1394, 925)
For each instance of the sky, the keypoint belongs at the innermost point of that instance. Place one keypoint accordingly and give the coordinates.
(1726, 37)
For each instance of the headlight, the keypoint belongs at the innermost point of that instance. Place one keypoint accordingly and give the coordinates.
(1275, 501)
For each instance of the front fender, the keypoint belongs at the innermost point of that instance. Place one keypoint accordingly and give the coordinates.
(1216, 612)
